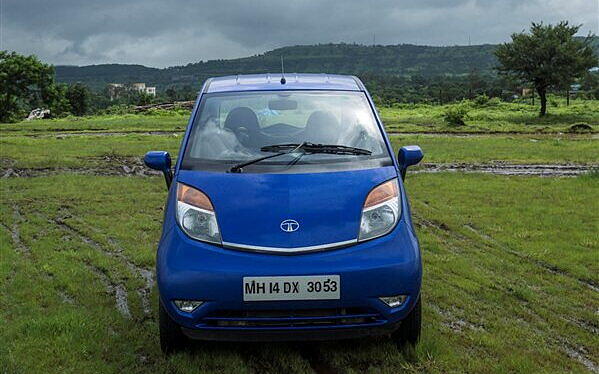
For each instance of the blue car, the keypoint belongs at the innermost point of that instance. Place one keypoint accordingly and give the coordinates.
(286, 217)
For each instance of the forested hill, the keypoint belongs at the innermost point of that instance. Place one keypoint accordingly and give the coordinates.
(404, 59)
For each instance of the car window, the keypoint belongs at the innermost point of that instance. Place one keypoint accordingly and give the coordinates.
(233, 127)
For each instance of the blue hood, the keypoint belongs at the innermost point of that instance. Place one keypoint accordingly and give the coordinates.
(250, 207)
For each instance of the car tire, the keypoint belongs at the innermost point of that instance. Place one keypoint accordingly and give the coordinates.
(171, 337)
(409, 330)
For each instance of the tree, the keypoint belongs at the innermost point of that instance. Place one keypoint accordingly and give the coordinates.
(548, 57)
(21, 80)
(78, 96)
(171, 94)
(26, 82)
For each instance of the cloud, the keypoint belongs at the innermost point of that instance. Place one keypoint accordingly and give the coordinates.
(163, 33)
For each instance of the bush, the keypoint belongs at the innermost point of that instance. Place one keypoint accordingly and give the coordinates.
(455, 114)
(481, 100)
(118, 109)
(495, 101)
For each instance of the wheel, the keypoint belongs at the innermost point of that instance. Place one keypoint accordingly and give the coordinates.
(409, 330)
(171, 337)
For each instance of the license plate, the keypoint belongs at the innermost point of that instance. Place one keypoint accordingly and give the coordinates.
(310, 287)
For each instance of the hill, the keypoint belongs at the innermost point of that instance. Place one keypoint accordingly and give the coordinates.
(402, 59)
(398, 60)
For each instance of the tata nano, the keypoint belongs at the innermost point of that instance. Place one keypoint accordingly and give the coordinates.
(286, 217)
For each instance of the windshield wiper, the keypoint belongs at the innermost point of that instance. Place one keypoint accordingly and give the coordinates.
(238, 168)
(307, 147)
(304, 148)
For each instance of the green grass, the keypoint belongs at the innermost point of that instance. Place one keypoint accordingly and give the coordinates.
(509, 148)
(493, 117)
(510, 279)
(168, 121)
(85, 151)
(81, 151)
(502, 117)
(506, 260)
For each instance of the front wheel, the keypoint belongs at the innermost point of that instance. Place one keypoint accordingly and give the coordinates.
(409, 330)
(171, 337)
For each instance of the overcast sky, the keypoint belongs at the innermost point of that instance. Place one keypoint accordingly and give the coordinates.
(176, 32)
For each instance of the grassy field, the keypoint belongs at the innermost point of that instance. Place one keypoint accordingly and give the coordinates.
(491, 117)
(494, 117)
(511, 264)
(93, 150)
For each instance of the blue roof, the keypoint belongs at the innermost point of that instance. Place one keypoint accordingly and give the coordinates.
(258, 82)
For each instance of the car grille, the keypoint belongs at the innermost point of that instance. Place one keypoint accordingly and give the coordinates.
(295, 318)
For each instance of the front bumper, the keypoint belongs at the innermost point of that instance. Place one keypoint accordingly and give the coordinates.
(191, 270)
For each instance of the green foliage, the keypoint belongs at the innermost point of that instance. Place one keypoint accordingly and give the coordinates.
(56, 100)
(547, 57)
(118, 109)
(455, 114)
(78, 96)
(481, 100)
(26, 82)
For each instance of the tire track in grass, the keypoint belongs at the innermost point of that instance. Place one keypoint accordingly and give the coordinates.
(423, 222)
(580, 354)
(147, 276)
(21, 247)
(119, 290)
(505, 168)
(548, 267)
(576, 352)
(116, 290)
(15, 233)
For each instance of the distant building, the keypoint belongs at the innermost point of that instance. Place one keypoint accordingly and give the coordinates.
(115, 90)
(141, 87)
(527, 92)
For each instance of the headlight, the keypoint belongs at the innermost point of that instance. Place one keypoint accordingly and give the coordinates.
(381, 211)
(195, 214)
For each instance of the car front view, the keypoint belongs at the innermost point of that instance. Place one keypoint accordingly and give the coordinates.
(286, 217)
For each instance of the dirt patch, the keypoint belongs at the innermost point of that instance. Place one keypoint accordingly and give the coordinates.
(501, 168)
(111, 165)
(108, 165)
(478, 133)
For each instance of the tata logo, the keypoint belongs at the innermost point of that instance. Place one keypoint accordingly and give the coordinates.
(289, 225)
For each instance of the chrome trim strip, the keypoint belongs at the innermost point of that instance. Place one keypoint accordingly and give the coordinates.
(311, 248)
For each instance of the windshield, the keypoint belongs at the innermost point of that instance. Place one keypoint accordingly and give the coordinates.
(234, 127)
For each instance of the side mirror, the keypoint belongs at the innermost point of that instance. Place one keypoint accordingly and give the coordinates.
(408, 156)
(161, 161)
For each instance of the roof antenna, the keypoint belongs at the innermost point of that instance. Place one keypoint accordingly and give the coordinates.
(283, 80)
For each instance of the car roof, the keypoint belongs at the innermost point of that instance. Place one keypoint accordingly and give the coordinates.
(293, 81)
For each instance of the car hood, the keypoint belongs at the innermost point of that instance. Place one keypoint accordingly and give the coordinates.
(250, 208)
